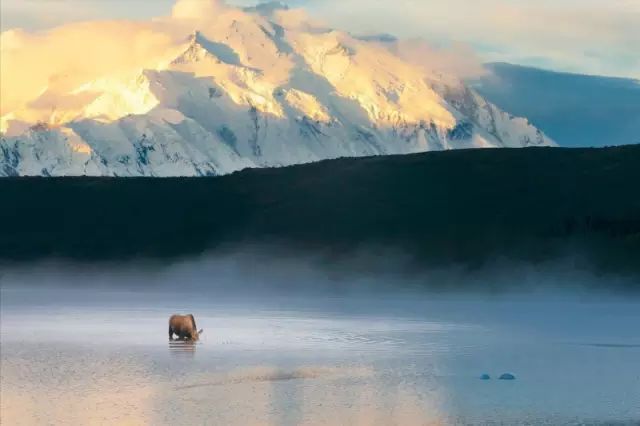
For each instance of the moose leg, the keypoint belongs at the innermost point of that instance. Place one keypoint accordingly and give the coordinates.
(170, 333)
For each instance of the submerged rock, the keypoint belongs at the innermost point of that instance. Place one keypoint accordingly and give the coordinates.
(485, 377)
(507, 376)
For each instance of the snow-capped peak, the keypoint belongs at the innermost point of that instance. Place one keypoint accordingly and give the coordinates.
(213, 89)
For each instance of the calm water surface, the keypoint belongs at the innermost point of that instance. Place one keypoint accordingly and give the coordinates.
(103, 357)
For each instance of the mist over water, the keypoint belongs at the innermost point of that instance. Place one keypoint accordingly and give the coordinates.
(309, 340)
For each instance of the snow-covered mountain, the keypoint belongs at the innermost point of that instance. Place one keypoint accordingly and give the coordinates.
(222, 89)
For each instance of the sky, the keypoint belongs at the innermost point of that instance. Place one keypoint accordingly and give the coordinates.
(598, 37)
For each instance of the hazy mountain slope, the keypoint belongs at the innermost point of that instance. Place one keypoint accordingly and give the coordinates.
(229, 89)
(465, 206)
(575, 110)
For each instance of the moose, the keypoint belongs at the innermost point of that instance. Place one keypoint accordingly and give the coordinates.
(184, 326)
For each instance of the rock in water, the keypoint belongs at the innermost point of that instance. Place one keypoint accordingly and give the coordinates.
(507, 376)
(485, 377)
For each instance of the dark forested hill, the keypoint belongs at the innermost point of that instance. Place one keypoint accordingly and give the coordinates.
(457, 206)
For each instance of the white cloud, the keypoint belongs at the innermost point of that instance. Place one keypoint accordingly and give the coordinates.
(458, 59)
(196, 9)
(589, 36)
(53, 62)
(43, 14)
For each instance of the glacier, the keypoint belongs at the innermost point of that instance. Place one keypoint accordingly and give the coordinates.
(244, 88)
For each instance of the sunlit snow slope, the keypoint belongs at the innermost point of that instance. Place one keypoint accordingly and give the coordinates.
(213, 89)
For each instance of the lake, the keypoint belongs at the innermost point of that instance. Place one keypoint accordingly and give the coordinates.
(101, 355)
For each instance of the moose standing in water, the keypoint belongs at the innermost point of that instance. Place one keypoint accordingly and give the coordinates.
(183, 326)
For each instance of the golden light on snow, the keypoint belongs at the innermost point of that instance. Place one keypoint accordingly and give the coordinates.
(117, 99)
(76, 143)
(307, 105)
(93, 69)
(212, 88)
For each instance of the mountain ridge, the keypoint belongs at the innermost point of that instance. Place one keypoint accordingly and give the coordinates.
(246, 88)
(576, 110)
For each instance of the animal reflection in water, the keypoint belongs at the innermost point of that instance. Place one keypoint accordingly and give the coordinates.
(181, 348)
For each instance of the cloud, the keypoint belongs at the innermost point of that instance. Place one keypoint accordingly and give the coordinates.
(590, 36)
(458, 59)
(196, 9)
(297, 19)
(44, 64)
(44, 70)
(45, 14)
